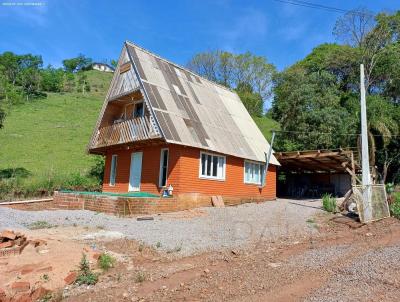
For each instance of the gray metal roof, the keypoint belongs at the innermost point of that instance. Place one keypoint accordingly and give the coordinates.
(196, 112)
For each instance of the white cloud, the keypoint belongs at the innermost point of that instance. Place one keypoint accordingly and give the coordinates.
(294, 32)
(34, 15)
(251, 23)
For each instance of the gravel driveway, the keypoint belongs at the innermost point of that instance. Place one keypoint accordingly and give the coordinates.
(218, 228)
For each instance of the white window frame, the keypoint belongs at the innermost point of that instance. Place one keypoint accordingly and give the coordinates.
(113, 171)
(160, 171)
(212, 163)
(260, 170)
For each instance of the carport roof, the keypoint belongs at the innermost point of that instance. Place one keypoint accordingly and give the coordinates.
(319, 161)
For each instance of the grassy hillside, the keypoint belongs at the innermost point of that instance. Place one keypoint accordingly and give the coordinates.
(48, 137)
(266, 126)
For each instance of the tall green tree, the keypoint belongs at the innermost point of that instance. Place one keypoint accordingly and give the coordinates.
(76, 64)
(251, 100)
(247, 73)
(52, 79)
(317, 99)
(309, 108)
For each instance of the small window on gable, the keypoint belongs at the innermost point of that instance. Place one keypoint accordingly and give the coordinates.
(113, 170)
(212, 166)
(138, 109)
(253, 172)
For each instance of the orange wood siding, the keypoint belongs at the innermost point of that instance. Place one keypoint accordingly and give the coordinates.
(233, 185)
(183, 174)
(150, 169)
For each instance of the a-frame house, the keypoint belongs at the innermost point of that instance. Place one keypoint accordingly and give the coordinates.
(163, 125)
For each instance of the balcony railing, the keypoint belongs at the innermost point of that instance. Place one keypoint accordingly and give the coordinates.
(131, 130)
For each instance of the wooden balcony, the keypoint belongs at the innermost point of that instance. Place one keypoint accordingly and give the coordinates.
(131, 130)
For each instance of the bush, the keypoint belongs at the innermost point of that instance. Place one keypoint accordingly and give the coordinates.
(329, 203)
(40, 224)
(79, 182)
(14, 173)
(97, 171)
(389, 188)
(106, 261)
(140, 277)
(20, 186)
(395, 205)
(86, 276)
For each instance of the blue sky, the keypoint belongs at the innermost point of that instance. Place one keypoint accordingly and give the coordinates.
(176, 30)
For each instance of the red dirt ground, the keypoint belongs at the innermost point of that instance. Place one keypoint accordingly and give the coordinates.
(261, 272)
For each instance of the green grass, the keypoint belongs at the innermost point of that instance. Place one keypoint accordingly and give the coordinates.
(131, 194)
(329, 203)
(40, 224)
(395, 205)
(266, 126)
(48, 137)
(86, 276)
(106, 261)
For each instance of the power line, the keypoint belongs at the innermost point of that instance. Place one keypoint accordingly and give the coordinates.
(330, 133)
(323, 7)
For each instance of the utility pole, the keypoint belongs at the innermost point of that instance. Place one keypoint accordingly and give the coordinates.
(267, 159)
(366, 178)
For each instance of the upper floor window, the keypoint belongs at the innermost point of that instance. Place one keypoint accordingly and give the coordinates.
(138, 109)
(212, 166)
(253, 172)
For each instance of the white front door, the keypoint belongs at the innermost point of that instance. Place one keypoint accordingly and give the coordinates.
(135, 171)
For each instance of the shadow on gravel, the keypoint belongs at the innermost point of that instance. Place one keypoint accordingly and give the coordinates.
(305, 205)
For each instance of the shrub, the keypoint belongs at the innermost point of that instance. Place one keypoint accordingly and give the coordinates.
(140, 277)
(14, 173)
(106, 261)
(395, 205)
(86, 276)
(389, 188)
(79, 182)
(329, 203)
(97, 170)
(40, 224)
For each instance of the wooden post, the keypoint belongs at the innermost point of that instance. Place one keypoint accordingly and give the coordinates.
(353, 168)
(264, 180)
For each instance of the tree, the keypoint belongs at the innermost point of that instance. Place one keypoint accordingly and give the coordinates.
(370, 35)
(10, 64)
(354, 26)
(206, 65)
(52, 79)
(68, 82)
(76, 64)
(317, 100)
(233, 71)
(309, 108)
(29, 75)
(83, 85)
(252, 101)
(383, 124)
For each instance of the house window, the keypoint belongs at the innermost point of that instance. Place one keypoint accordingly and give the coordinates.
(163, 168)
(113, 170)
(212, 166)
(138, 110)
(253, 172)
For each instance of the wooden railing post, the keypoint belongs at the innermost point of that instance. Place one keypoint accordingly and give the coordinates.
(135, 129)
